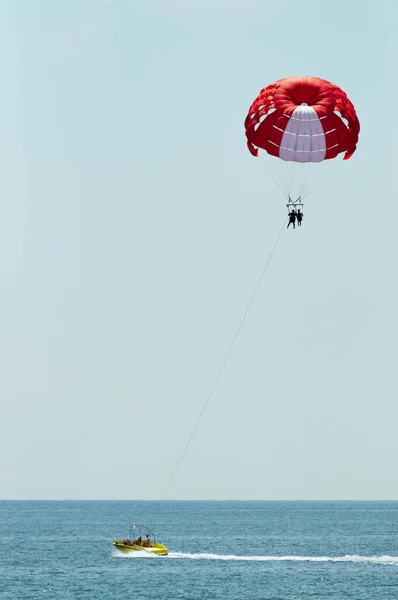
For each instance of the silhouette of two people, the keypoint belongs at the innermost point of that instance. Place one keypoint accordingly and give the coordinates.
(295, 216)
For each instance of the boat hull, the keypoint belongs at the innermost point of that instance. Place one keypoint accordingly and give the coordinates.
(157, 549)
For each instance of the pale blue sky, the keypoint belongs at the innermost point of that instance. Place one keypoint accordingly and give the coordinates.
(134, 225)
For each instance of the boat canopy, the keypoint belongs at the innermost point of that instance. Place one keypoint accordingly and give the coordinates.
(141, 533)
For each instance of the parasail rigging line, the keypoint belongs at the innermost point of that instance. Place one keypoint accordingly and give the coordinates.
(227, 355)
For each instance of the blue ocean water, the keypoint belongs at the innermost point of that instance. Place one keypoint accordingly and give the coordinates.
(226, 550)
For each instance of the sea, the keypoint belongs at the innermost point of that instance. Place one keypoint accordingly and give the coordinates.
(223, 549)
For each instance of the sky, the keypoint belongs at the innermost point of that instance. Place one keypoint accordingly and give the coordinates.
(134, 227)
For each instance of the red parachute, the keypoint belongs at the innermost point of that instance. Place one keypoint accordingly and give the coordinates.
(302, 119)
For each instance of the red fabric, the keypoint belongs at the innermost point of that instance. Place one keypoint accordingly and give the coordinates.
(276, 103)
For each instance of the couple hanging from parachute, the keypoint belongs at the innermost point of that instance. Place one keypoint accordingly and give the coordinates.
(302, 122)
(294, 216)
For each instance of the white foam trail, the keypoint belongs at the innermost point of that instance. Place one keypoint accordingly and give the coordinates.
(380, 560)
(135, 554)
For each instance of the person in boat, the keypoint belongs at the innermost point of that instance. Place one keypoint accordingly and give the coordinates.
(299, 217)
(139, 541)
(148, 541)
(292, 218)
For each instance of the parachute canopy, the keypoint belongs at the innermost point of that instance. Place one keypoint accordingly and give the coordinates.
(302, 119)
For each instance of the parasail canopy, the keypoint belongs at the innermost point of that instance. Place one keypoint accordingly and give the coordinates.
(302, 119)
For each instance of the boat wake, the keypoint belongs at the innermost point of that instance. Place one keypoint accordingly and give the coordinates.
(348, 558)
(379, 560)
(135, 554)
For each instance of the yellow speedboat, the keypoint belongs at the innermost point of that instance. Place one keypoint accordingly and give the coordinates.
(141, 539)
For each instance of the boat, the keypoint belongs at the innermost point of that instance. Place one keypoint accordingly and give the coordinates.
(141, 539)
